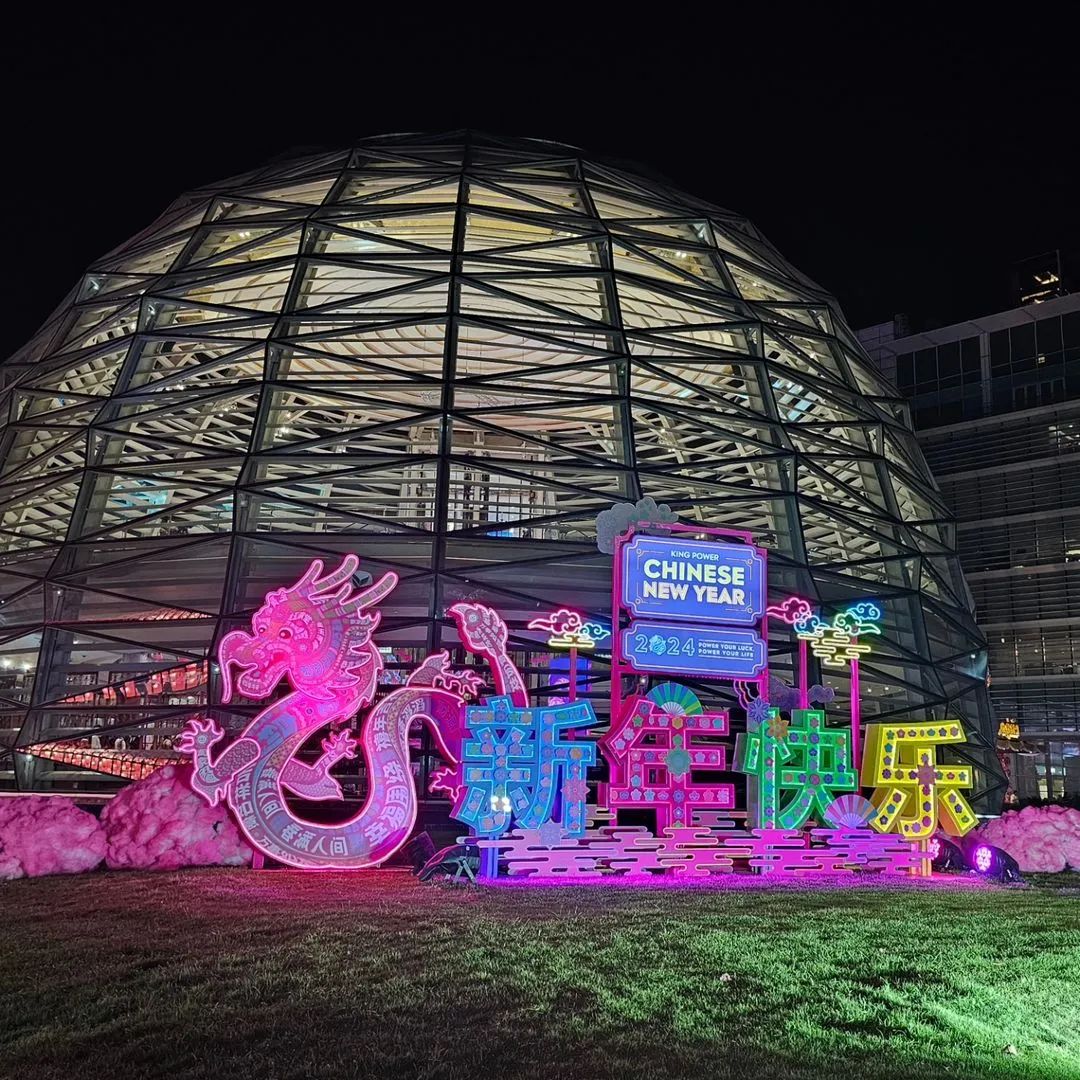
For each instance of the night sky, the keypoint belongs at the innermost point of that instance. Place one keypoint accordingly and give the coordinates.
(904, 167)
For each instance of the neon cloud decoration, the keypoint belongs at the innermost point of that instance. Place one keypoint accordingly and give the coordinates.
(568, 629)
(837, 643)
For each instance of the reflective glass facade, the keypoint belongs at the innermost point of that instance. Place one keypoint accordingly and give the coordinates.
(447, 355)
(1010, 473)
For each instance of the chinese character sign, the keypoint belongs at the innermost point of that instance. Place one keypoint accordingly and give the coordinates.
(795, 768)
(914, 794)
(518, 764)
(652, 755)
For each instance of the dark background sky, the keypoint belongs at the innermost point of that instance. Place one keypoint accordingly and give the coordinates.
(903, 163)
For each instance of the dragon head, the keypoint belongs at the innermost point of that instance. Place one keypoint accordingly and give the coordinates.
(315, 632)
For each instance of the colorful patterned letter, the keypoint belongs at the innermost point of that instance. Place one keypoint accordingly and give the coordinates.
(796, 768)
(914, 794)
(515, 763)
(651, 755)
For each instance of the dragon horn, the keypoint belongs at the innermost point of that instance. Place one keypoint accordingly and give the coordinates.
(379, 591)
(311, 575)
(336, 577)
(226, 659)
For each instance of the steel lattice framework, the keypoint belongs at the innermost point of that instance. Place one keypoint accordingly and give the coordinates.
(446, 354)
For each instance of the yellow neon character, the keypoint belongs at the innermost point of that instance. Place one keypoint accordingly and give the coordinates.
(913, 793)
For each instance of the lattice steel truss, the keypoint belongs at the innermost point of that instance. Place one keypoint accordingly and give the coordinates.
(446, 354)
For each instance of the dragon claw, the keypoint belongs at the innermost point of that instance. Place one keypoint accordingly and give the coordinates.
(340, 744)
(198, 735)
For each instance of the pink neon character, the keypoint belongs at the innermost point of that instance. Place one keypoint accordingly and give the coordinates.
(652, 755)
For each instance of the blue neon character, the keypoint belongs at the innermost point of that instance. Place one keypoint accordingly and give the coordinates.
(518, 766)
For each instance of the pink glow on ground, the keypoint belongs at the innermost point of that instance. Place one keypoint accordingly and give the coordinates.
(754, 882)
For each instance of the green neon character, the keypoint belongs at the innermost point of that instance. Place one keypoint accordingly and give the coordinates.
(795, 768)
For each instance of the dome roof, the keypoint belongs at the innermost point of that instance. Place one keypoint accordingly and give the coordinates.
(447, 353)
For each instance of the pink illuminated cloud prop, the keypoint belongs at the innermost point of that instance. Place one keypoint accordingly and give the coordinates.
(161, 824)
(42, 834)
(793, 610)
(1042, 839)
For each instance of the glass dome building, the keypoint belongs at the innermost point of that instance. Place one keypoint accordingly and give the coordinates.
(447, 354)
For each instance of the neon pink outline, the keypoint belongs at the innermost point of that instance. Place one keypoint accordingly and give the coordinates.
(317, 636)
(795, 610)
(619, 668)
(567, 629)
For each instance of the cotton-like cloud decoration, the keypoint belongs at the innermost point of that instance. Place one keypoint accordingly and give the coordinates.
(160, 824)
(42, 834)
(616, 520)
(783, 697)
(821, 695)
(1042, 839)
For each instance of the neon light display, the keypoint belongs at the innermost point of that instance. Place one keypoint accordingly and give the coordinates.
(517, 766)
(317, 635)
(914, 795)
(512, 765)
(674, 578)
(652, 755)
(837, 643)
(129, 764)
(632, 851)
(717, 653)
(568, 630)
(796, 768)
(794, 610)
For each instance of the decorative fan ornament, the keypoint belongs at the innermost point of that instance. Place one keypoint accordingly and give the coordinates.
(675, 699)
(849, 812)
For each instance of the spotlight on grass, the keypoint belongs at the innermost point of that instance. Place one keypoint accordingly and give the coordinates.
(946, 856)
(992, 862)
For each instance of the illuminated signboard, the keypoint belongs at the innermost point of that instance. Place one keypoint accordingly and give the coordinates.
(713, 652)
(672, 578)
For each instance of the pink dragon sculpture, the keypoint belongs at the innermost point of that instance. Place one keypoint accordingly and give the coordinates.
(318, 635)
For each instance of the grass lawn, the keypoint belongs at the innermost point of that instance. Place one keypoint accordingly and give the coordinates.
(279, 974)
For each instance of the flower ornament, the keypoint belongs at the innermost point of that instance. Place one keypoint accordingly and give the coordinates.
(778, 727)
(758, 711)
(550, 834)
(926, 774)
(575, 789)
